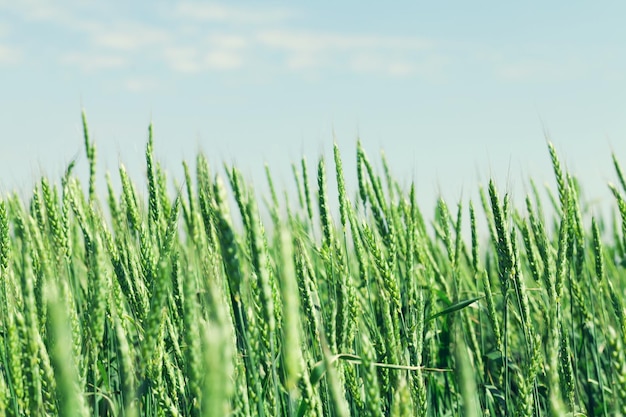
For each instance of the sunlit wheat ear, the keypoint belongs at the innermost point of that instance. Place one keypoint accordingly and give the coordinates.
(558, 173)
(597, 250)
(299, 186)
(189, 206)
(562, 248)
(274, 196)
(51, 204)
(338, 405)
(29, 330)
(619, 172)
(193, 341)
(5, 243)
(341, 187)
(401, 404)
(204, 197)
(4, 396)
(15, 360)
(292, 359)
(154, 206)
(306, 188)
(474, 234)
(37, 210)
(468, 388)
(484, 201)
(327, 227)
(444, 224)
(130, 201)
(261, 290)
(90, 150)
(621, 205)
(125, 359)
(242, 194)
(370, 378)
(69, 390)
(376, 185)
(112, 203)
(530, 245)
(216, 369)
(260, 264)
(566, 368)
(503, 243)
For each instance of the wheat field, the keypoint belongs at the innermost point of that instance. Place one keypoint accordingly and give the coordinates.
(189, 305)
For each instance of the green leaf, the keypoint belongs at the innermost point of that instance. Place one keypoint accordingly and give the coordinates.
(455, 307)
(319, 370)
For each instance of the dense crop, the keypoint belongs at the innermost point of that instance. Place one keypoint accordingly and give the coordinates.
(178, 306)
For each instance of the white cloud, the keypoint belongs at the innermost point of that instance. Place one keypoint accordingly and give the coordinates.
(400, 69)
(39, 10)
(539, 70)
(130, 37)
(222, 60)
(385, 55)
(216, 51)
(200, 37)
(229, 14)
(311, 41)
(370, 63)
(182, 59)
(67, 14)
(141, 85)
(228, 41)
(192, 60)
(303, 61)
(93, 62)
(8, 55)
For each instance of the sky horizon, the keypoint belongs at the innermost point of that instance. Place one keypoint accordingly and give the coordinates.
(454, 94)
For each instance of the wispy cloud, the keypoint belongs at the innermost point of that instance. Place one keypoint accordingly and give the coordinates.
(70, 15)
(182, 59)
(38, 10)
(90, 62)
(228, 41)
(192, 59)
(141, 85)
(237, 38)
(222, 60)
(229, 14)
(312, 41)
(387, 55)
(540, 70)
(130, 37)
(9, 55)
(369, 63)
(525, 71)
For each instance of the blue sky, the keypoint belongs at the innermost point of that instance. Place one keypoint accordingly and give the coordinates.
(454, 92)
